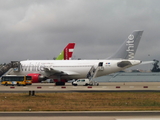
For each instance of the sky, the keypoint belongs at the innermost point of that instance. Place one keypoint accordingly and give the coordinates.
(40, 29)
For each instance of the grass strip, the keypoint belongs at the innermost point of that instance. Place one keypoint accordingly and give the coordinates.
(110, 101)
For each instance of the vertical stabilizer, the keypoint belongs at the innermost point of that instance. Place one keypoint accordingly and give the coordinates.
(129, 47)
(66, 54)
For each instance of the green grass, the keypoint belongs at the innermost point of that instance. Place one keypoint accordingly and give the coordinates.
(110, 101)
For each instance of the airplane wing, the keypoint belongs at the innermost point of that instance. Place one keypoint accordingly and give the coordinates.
(148, 62)
(51, 71)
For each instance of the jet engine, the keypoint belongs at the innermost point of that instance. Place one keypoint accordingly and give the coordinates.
(36, 78)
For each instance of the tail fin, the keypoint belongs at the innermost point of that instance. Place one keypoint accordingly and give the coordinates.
(129, 47)
(66, 54)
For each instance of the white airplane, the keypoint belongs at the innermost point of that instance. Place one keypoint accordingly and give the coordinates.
(65, 70)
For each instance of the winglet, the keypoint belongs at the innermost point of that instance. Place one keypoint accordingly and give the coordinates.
(129, 47)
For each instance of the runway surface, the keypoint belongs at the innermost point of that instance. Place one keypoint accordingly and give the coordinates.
(94, 115)
(85, 115)
(103, 87)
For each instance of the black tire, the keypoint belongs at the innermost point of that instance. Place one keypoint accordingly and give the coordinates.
(59, 83)
(86, 84)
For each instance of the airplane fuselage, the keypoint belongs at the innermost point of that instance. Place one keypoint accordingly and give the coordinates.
(70, 69)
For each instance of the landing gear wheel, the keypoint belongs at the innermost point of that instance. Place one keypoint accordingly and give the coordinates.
(59, 83)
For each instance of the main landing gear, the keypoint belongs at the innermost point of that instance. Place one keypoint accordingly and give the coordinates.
(59, 83)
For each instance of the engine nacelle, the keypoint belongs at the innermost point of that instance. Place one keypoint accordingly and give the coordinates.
(36, 78)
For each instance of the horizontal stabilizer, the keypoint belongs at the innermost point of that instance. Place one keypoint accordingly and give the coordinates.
(147, 62)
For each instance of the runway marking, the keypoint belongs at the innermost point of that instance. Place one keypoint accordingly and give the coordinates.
(25, 87)
(89, 86)
(104, 87)
(39, 87)
(50, 87)
(12, 87)
(74, 87)
(131, 86)
(145, 86)
(140, 119)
